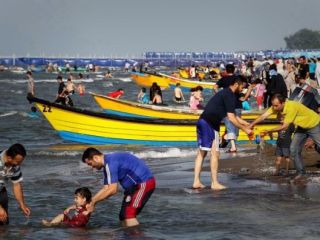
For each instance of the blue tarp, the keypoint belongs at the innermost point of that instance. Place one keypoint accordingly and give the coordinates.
(172, 59)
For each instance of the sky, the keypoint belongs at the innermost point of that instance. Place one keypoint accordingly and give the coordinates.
(125, 28)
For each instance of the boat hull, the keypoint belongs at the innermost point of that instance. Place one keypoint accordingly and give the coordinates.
(128, 108)
(146, 80)
(90, 127)
(186, 85)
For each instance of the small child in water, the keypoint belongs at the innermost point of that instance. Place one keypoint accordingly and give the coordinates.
(142, 96)
(283, 147)
(80, 218)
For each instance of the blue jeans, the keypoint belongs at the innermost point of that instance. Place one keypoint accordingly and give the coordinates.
(297, 144)
(232, 130)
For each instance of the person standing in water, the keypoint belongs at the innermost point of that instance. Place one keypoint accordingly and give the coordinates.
(178, 95)
(221, 105)
(306, 120)
(132, 174)
(10, 161)
(31, 91)
(142, 96)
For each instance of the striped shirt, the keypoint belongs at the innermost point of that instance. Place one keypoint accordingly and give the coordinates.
(6, 173)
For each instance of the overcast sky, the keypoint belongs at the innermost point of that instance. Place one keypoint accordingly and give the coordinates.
(131, 27)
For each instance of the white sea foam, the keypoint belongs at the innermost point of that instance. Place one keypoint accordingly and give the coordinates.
(59, 154)
(17, 91)
(125, 79)
(99, 76)
(315, 179)
(8, 114)
(171, 152)
(46, 80)
(107, 84)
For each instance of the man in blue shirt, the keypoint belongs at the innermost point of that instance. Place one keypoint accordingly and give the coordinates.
(221, 105)
(133, 175)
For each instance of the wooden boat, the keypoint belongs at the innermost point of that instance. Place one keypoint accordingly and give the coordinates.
(128, 108)
(134, 109)
(165, 81)
(146, 79)
(185, 74)
(91, 127)
(186, 85)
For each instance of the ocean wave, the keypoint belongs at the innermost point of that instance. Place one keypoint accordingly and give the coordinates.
(8, 114)
(58, 154)
(30, 114)
(99, 76)
(46, 80)
(125, 79)
(171, 152)
(17, 92)
(107, 84)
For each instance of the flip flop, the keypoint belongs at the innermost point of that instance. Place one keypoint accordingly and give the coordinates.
(231, 151)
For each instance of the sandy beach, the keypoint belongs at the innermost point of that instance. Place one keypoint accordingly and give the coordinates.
(261, 165)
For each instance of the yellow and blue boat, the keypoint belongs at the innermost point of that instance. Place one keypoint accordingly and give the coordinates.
(165, 81)
(84, 126)
(134, 109)
(185, 74)
(146, 79)
(128, 108)
(186, 85)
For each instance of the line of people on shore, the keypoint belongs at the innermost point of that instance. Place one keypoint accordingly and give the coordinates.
(298, 115)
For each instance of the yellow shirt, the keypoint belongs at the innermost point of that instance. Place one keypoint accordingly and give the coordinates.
(298, 114)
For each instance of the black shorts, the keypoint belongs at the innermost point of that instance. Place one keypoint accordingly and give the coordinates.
(4, 203)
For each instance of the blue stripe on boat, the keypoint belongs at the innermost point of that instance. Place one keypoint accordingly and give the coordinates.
(83, 138)
(118, 113)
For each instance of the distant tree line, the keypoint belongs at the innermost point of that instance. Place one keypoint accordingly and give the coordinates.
(303, 39)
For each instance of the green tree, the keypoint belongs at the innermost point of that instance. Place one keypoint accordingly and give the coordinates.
(303, 39)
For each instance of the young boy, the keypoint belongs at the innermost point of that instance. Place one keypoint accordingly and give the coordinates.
(283, 147)
(80, 218)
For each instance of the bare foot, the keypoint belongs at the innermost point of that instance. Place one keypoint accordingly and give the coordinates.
(217, 186)
(46, 223)
(198, 186)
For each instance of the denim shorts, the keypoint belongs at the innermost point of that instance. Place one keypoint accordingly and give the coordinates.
(232, 130)
(282, 152)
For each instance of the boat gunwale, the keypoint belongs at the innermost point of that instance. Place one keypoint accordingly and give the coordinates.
(150, 107)
(127, 118)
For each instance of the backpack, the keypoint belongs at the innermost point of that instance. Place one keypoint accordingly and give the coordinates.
(306, 98)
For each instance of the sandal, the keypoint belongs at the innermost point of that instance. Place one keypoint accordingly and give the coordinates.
(231, 151)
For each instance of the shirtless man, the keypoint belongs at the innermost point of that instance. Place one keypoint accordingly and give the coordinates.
(178, 95)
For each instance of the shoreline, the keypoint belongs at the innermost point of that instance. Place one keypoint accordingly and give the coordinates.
(262, 164)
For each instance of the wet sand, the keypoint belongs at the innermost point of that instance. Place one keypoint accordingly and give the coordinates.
(262, 164)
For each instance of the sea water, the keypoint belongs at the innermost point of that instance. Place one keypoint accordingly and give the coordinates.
(248, 209)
